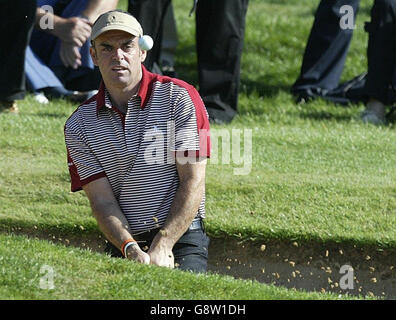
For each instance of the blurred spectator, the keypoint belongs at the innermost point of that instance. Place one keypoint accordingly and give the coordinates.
(326, 51)
(16, 24)
(220, 28)
(59, 62)
(381, 60)
(168, 44)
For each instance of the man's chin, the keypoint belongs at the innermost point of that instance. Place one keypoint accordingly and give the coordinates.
(119, 81)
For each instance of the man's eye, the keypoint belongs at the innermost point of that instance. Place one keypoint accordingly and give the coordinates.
(107, 49)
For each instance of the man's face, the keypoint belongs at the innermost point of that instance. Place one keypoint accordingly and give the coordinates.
(119, 58)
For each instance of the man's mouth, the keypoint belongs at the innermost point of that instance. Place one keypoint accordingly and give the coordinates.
(118, 68)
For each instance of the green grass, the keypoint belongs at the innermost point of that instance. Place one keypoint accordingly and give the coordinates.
(81, 274)
(318, 174)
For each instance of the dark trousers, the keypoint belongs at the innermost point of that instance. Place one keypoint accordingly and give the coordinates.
(220, 28)
(16, 24)
(326, 50)
(150, 14)
(190, 252)
(381, 51)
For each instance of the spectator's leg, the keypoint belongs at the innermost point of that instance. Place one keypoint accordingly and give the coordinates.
(38, 75)
(381, 50)
(18, 16)
(150, 14)
(220, 28)
(169, 43)
(381, 60)
(40, 78)
(326, 50)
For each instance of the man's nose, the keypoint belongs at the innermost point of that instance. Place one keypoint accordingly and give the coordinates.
(118, 54)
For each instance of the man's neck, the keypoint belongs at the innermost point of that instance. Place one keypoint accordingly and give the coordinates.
(120, 96)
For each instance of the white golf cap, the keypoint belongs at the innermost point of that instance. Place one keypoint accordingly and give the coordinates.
(116, 20)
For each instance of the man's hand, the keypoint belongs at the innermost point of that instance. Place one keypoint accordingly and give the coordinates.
(70, 55)
(182, 212)
(74, 30)
(161, 255)
(137, 254)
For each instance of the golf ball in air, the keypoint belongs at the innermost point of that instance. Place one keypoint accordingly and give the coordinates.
(146, 42)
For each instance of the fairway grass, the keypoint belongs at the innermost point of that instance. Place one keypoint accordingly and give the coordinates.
(318, 174)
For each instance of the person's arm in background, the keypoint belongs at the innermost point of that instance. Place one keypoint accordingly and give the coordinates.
(96, 7)
(74, 31)
(182, 212)
(69, 53)
(110, 218)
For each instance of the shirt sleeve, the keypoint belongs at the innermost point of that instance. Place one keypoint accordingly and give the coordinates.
(192, 130)
(82, 163)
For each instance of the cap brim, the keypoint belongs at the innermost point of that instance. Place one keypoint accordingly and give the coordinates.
(129, 30)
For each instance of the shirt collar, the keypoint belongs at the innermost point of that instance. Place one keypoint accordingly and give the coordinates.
(144, 92)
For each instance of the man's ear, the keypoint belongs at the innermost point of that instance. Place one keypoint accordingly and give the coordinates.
(143, 55)
(92, 51)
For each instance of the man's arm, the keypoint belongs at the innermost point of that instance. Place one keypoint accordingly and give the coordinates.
(110, 218)
(183, 210)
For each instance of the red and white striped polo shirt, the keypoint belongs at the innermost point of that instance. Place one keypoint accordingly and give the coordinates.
(136, 151)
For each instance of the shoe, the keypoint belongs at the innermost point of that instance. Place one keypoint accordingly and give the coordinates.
(369, 116)
(213, 120)
(81, 96)
(217, 115)
(374, 113)
(302, 96)
(9, 106)
(40, 98)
